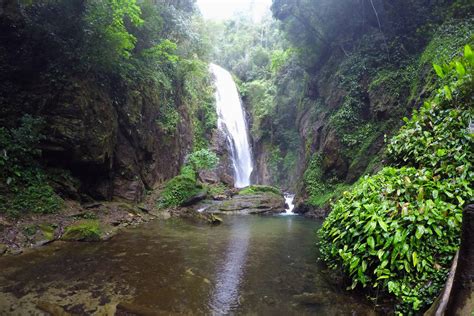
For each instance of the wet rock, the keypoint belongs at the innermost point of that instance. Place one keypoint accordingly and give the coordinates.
(144, 208)
(224, 170)
(201, 195)
(15, 251)
(214, 219)
(92, 205)
(310, 211)
(47, 230)
(52, 309)
(260, 203)
(126, 308)
(3, 249)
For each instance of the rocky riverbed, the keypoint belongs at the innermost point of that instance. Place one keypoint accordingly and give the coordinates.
(102, 220)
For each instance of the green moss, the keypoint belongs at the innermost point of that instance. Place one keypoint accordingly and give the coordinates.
(47, 230)
(217, 189)
(180, 188)
(87, 230)
(443, 46)
(256, 189)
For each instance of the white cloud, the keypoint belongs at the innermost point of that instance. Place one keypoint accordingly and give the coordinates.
(225, 9)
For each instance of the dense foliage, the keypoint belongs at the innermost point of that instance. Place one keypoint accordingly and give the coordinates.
(180, 188)
(67, 58)
(24, 187)
(365, 66)
(397, 231)
(185, 185)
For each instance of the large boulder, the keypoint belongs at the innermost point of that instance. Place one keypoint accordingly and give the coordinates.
(252, 200)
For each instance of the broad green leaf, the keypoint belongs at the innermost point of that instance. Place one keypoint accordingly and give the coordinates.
(460, 69)
(438, 70)
(468, 54)
(447, 92)
(419, 231)
(382, 224)
(371, 242)
(440, 152)
(415, 259)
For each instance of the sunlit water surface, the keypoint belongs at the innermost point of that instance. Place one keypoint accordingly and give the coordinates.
(247, 265)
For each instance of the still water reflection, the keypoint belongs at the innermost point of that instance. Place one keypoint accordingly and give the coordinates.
(248, 265)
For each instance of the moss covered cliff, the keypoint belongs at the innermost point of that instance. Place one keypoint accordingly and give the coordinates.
(120, 104)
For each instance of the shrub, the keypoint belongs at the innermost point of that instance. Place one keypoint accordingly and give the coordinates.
(203, 159)
(180, 188)
(23, 184)
(398, 230)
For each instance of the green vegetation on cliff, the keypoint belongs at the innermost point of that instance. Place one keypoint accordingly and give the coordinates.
(366, 65)
(25, 187)
(268, 77)
(122, 88)
(397, 231)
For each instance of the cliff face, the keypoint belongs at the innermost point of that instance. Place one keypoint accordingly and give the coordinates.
(319, 117)
(104, 131)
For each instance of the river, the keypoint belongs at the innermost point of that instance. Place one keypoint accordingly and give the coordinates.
(247, 265)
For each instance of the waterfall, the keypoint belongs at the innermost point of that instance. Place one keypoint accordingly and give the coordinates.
(289, 202)
(231, 121)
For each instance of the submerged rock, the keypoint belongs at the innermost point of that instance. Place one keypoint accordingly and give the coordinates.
(214, 219)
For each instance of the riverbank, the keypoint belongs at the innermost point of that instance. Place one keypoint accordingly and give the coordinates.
(100, 221)
(91, 222)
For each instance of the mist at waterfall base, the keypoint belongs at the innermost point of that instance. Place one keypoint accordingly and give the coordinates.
(231, 120)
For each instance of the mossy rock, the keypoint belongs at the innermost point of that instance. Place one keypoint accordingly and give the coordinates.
(47, 230)
(87, 230)
(256, 189)
(180, 189)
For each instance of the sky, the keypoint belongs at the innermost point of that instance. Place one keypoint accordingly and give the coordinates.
(225, 9)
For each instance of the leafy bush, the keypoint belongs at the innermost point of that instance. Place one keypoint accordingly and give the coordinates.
(185, 185)
(19, 148)
(398, 230)
(37, 196)
(203, 159)
(217, 189)
(24, 187)
(180, 188)
(108, 40)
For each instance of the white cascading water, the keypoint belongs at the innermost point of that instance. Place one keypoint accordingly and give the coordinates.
(289, 202)
(231, 120)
